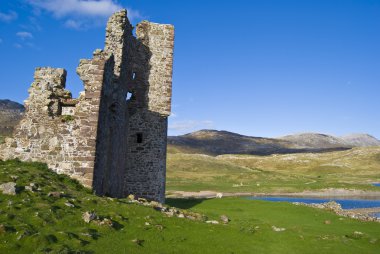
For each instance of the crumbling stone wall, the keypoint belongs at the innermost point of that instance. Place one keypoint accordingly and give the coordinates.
(66, 144)
(113, 137)
(149, 109)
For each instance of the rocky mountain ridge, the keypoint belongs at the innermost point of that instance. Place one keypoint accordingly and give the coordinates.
(215, 142)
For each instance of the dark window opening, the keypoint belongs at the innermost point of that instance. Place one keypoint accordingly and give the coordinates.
(113, 107)
(129, 96)
(133, 75)
(139, 137)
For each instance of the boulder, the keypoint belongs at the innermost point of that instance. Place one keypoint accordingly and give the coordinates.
(89, 216)
(8, 188)
(224, 219)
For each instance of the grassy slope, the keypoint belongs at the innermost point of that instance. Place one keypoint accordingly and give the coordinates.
(47, 225)
(353, 169)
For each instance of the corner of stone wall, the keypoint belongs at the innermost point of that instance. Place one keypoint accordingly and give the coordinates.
(96, 74)
(159, 40)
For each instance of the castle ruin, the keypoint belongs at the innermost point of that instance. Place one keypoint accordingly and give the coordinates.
(113, 136)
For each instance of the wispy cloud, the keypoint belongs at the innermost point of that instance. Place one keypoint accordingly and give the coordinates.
(61, 8)
(190, 125)
(32, 24)
(1, 40)
(74, 24)
(81, 13)
(17, 45)
(173, 115)
(24, 35)
(8, 17)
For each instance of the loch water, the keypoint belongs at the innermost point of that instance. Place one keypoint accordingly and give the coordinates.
(345, 203)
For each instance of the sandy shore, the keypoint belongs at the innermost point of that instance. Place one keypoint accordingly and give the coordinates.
(324, 193)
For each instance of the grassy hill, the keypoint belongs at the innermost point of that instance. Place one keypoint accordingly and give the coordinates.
(352, 169)
(34, 222)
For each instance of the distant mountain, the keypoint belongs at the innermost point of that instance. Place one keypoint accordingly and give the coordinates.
(222, 142)
(315, 140)
(10, 114)
(361, 140)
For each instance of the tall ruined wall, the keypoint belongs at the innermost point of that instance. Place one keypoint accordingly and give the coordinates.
(149, 109)
(65, 143)
(143, 71)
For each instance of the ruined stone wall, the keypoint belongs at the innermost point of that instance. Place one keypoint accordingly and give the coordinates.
(113, 137)
(111, 159)
(66, 144)
(143, 69)
(149, 110)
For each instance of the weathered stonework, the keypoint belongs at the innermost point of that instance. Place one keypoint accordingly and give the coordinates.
(113, 137)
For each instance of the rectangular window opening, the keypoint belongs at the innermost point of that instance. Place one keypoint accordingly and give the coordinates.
(139, 137)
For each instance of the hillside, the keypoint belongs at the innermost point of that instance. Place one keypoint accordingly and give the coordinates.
(361, 140)
(214, 142)
(10, 114)
(223, 142)
(314, 140)
(354, 169)
(46, 216)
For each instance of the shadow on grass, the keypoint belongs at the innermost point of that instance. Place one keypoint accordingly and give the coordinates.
(184, 203)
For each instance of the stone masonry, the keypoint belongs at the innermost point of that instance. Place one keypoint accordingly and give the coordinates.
(113, 137)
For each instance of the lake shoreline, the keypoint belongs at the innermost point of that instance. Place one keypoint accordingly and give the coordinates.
(323, 193)
(363, 214)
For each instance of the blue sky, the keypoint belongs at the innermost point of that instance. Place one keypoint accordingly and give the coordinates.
(256, 67)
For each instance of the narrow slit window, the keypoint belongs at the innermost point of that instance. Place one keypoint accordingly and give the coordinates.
(139, 138)
(133, 75)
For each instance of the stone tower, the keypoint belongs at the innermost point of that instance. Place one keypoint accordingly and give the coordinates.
(113, 137)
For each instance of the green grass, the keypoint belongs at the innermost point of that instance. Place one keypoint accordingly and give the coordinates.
(352, 169)
(2, 139)
(36, 223)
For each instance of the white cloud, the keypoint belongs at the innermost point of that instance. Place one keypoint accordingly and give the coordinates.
(24, 35)
(77, 7)
(81, 14)
(17, 45)
(190, 125)
(133, 14)
(8, 17)
(81, 8)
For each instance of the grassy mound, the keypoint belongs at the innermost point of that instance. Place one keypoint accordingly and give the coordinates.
(36, 222)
